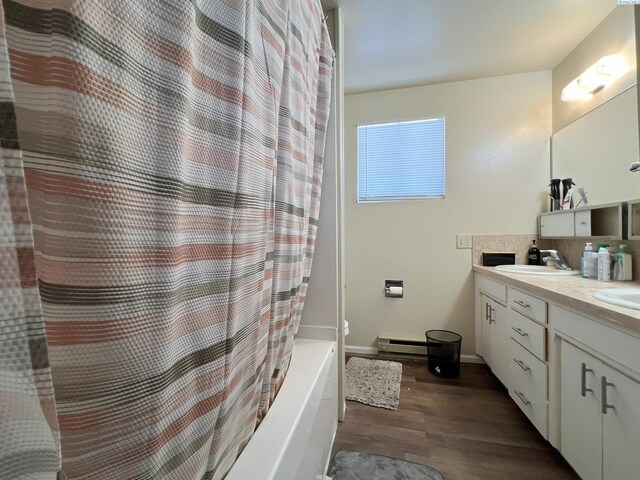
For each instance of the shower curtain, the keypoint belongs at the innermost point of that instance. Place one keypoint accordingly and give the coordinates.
(159, 195)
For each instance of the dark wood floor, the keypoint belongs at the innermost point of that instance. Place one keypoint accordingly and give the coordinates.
(467, 428)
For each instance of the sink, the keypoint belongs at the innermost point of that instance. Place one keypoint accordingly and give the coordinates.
(623, 297)
(536, 270)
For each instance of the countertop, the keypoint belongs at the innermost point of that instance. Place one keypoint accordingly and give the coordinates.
(573, 292)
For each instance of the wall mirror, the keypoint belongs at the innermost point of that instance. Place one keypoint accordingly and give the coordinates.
(597, 148)
(596, 139)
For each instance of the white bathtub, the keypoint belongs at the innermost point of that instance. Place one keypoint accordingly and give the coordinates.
(294, 440)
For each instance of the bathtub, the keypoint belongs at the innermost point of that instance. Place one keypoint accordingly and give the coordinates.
(294, 440)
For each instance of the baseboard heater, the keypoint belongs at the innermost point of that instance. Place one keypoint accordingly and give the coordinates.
(394, 346)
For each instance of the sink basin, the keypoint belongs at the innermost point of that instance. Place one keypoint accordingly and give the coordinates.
(535, 270)
(624, 297)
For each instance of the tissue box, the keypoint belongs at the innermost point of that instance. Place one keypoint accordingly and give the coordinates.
(494, 259)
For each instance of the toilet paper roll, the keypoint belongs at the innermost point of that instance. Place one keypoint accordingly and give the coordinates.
(396, 290)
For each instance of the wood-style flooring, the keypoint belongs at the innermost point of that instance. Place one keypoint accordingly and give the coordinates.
(468, 428)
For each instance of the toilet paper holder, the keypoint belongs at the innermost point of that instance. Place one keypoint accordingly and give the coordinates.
(393, 283)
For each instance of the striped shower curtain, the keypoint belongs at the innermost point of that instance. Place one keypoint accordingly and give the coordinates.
(159, 194)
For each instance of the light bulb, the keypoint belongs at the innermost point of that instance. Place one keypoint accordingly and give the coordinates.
(602, 73)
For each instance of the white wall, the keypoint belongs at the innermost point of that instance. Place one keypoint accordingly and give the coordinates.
(497, 170)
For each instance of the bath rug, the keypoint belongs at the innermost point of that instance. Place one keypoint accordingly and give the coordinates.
(373, 382)
(347, 465)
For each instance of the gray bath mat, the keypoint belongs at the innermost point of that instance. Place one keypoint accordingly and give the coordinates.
(347, 465)
(373, 382)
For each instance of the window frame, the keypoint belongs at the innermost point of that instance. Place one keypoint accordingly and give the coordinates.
(413, 198)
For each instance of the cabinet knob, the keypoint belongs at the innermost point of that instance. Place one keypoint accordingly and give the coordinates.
(605, 405)
(520, 332)
(583, 380)
(522, 397)
(522, 365)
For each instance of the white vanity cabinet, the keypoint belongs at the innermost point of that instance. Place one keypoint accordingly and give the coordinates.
(575, 375)
(600, 405)
(494, 336)
(513, 344)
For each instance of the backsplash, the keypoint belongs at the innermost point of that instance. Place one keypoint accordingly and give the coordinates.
(572, 250)
(517, 243)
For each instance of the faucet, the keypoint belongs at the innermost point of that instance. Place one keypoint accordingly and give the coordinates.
(555, 259)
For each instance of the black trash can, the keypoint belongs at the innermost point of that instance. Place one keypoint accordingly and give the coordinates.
(443, 348)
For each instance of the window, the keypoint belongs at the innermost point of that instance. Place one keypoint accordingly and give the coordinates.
(401, 160)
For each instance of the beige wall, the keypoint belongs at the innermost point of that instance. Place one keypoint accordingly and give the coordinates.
(497, 170)
(614, 35)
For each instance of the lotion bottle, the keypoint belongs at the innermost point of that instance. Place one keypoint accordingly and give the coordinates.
(623, 270)
(604, 265)
(586, 258)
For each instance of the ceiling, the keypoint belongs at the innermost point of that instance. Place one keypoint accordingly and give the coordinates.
(401, 43)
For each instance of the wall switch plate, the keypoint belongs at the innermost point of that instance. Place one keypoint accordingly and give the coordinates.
(463, 241)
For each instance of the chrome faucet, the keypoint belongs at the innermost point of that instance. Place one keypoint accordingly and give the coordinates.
(555, 259)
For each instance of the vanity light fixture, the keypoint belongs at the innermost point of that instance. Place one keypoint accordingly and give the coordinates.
(602, 73)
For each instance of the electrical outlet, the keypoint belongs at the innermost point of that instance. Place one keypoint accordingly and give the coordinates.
(463, 241)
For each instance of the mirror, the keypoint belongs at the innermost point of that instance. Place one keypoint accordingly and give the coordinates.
(597, 148)
(596, 139)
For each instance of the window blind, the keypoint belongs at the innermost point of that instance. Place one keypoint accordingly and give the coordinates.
(401, 160)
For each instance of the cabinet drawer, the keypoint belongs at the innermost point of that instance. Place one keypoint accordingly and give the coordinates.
(614, 344)
(531, 369)
(533, 406)
(527, 333)
(582, 221)
(495, 289)
(527, 305)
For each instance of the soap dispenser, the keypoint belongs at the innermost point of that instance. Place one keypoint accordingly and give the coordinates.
(534, 254)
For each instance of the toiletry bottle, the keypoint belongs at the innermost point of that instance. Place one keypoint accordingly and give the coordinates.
(623, 270)
(567, 193)
(534, 254)
(593, 261)
(604, 264)
(556, 202)
(586, 258)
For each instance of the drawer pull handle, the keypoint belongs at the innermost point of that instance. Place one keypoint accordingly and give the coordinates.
(491, 312)
(583, 223)
(520, 332)
(583, 380)
(522, 304)
(487, 307)
(605, 404)
(522, 397)
(522, 365)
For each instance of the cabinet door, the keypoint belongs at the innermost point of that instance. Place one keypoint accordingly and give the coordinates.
(583, 223)
(621, 426)
(500, 343)
(485, 319)
(557, 225)
(580, 417)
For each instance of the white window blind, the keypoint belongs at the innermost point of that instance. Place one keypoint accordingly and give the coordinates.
(401, 160)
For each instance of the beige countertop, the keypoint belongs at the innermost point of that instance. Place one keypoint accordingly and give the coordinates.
(574, 292)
